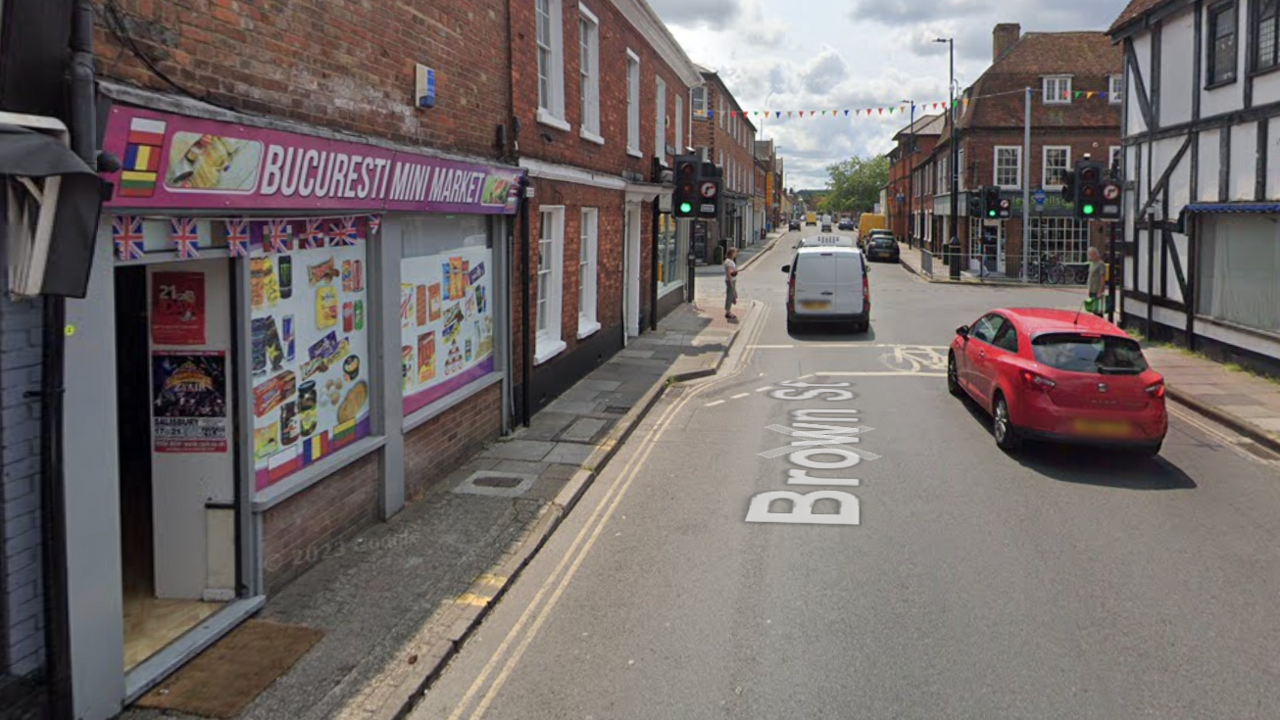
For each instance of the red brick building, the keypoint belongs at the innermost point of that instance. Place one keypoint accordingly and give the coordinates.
(725, 136)
(1075, 81)
(906, 197)
(602, 96)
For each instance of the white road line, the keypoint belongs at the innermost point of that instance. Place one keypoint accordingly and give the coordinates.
(878, 374)
(713, 404)
(764, 389)
(739, 396)
(849, 345)
(770, 347)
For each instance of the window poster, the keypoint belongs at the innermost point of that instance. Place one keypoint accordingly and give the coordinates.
(446, 323)
(189, 402)
(311, 389)
(177, 308)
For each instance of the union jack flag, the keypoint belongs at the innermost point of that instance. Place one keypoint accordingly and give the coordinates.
(375, 222)
(278, 235)
(186, 236)
(345, 233)
(315, 235)
(126, 230)
(238, 238)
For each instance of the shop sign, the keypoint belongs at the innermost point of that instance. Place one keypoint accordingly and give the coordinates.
(178, 162)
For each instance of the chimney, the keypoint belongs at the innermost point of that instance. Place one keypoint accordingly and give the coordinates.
(1003, 38)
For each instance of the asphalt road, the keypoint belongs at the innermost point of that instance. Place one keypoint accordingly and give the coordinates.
(1057, 584)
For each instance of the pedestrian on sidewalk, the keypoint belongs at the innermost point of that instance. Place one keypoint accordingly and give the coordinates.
(730, 283)
(1097, 274)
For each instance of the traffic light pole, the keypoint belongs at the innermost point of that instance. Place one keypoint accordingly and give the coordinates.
(1026, 183)
(1111, 272)
(955, 169)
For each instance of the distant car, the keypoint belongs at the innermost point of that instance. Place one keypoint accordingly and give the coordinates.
(882, 247)
(826, 226)
(846, 224)
(828, 284)
(794, 224)
(1060, 376)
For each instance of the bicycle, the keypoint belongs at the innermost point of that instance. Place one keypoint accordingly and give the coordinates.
(1048, 269)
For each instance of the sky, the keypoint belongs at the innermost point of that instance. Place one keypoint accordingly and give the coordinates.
(850, 54)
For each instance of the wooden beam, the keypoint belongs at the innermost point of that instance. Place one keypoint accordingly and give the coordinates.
(1260, 175)
(1197, 55)
(1224, 164)
(1164, 179)
(1157, 36)
(1140, 86)
(1178, 273)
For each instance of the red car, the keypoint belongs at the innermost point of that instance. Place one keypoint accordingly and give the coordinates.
(1061, 376)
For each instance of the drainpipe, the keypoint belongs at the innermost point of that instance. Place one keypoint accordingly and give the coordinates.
(84, 141)
(653, 267)
(526, 336)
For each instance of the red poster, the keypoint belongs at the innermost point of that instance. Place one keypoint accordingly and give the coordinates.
(177, 308)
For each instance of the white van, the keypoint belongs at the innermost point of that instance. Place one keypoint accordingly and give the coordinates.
(828, 285)
(827, 241)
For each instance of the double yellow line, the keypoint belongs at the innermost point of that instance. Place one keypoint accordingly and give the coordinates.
(517, 641)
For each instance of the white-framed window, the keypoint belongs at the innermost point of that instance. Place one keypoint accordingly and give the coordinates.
(550, 282)
(589, 73)
(660, 121)
(1115, 89)
(1057, 90)
(1008, 166)
(680, 140)
(1057, 158)
(720, 112)
(633, 104)
(698, 102)
(588, 252)
(1064, 238)
(1114, 157)
(550, 65)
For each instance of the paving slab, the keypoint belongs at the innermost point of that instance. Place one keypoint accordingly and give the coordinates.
(532, 450)
(1246, 403)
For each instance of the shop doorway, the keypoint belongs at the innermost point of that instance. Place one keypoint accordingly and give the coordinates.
(176, 450)
(631, 273)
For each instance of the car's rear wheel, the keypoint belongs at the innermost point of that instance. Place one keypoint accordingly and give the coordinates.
(1149, 451)
(1002, 427)
(953, 375)
(792, 326)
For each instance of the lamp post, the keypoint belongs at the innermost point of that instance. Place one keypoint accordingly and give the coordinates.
(911, 173)
(955, 159)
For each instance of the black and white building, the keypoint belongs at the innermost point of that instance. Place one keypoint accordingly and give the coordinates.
(1201, 137)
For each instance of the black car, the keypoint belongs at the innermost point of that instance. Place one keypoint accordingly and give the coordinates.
(794, 224)
(846, 224)
(883, 247)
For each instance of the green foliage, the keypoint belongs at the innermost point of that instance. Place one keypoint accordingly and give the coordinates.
(855, 184)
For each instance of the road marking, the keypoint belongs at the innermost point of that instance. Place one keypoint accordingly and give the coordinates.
(739, 396)
(764, 389)
(848, 345)
(874, 373)
(770, 347)
(473, 600)
(713, 404)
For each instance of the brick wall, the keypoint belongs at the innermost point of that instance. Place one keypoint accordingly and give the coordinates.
(979, 151)
(21, 616)
(438, 447)
(313, 524)
(342, 64)
(617, 36)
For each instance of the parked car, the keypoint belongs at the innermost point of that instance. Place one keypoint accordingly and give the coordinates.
(794, 224)
(846, 224)
(882, 247)
(1061, 376)
(828, 284)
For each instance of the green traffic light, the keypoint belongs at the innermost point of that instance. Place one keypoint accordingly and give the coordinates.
(1087, 209)
(991, 213)
(686, 207)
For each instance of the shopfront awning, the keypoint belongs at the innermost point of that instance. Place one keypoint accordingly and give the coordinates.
(52, 201)
(1236, 207)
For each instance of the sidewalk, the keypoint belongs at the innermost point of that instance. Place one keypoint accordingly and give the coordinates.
(1248, 404)
(910, 259)
(746, 256)
(397, 602)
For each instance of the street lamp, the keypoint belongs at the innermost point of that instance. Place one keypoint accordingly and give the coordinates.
(911, 185)
(955, 160)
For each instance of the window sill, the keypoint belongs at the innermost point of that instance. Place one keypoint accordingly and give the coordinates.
(587, 328)
(635, 153)
(1265, 71)
(589, 136)
(1057, 102)
(550, 120)
(548, 349)
(1220, 84)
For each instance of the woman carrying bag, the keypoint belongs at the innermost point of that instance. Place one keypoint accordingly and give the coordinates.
(730, 283)
(1097, 275)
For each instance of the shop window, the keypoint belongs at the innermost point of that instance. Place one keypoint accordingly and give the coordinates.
(1241, 260)
(588, 250)
(310, 344)
(633, 104)
(447, 314)
(671, 266)
(1067, 239)
(550, 283)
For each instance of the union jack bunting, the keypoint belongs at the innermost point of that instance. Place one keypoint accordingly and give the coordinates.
(186, 236)
(315, 235)
(238, 238)
(126, 231)
(345, 233)
(278, 235)
(375, 222)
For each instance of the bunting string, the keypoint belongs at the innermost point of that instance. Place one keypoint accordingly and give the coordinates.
(894, 109)
(243, 235)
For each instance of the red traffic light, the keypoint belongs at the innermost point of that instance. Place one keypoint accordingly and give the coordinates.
(1089, 175)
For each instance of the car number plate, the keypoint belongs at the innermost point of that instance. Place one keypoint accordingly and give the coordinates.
(1103, 428)
(815, 304)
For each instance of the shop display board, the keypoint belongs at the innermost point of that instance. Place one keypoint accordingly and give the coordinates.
(311, 364)
(446, 323)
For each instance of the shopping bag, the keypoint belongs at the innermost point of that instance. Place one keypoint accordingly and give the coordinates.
(1091, 305)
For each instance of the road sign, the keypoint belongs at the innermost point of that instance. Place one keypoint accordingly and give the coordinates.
(1111, 192)
(1040, 196)
(708, 189)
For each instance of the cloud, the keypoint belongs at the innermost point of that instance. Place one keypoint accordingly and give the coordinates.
(824, 72)
(713, 14)
(893, 12)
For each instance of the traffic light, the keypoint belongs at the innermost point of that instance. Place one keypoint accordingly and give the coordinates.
(1089, 188)
(975, 203)
(991, 202)
(710, 181)
(684, 200)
